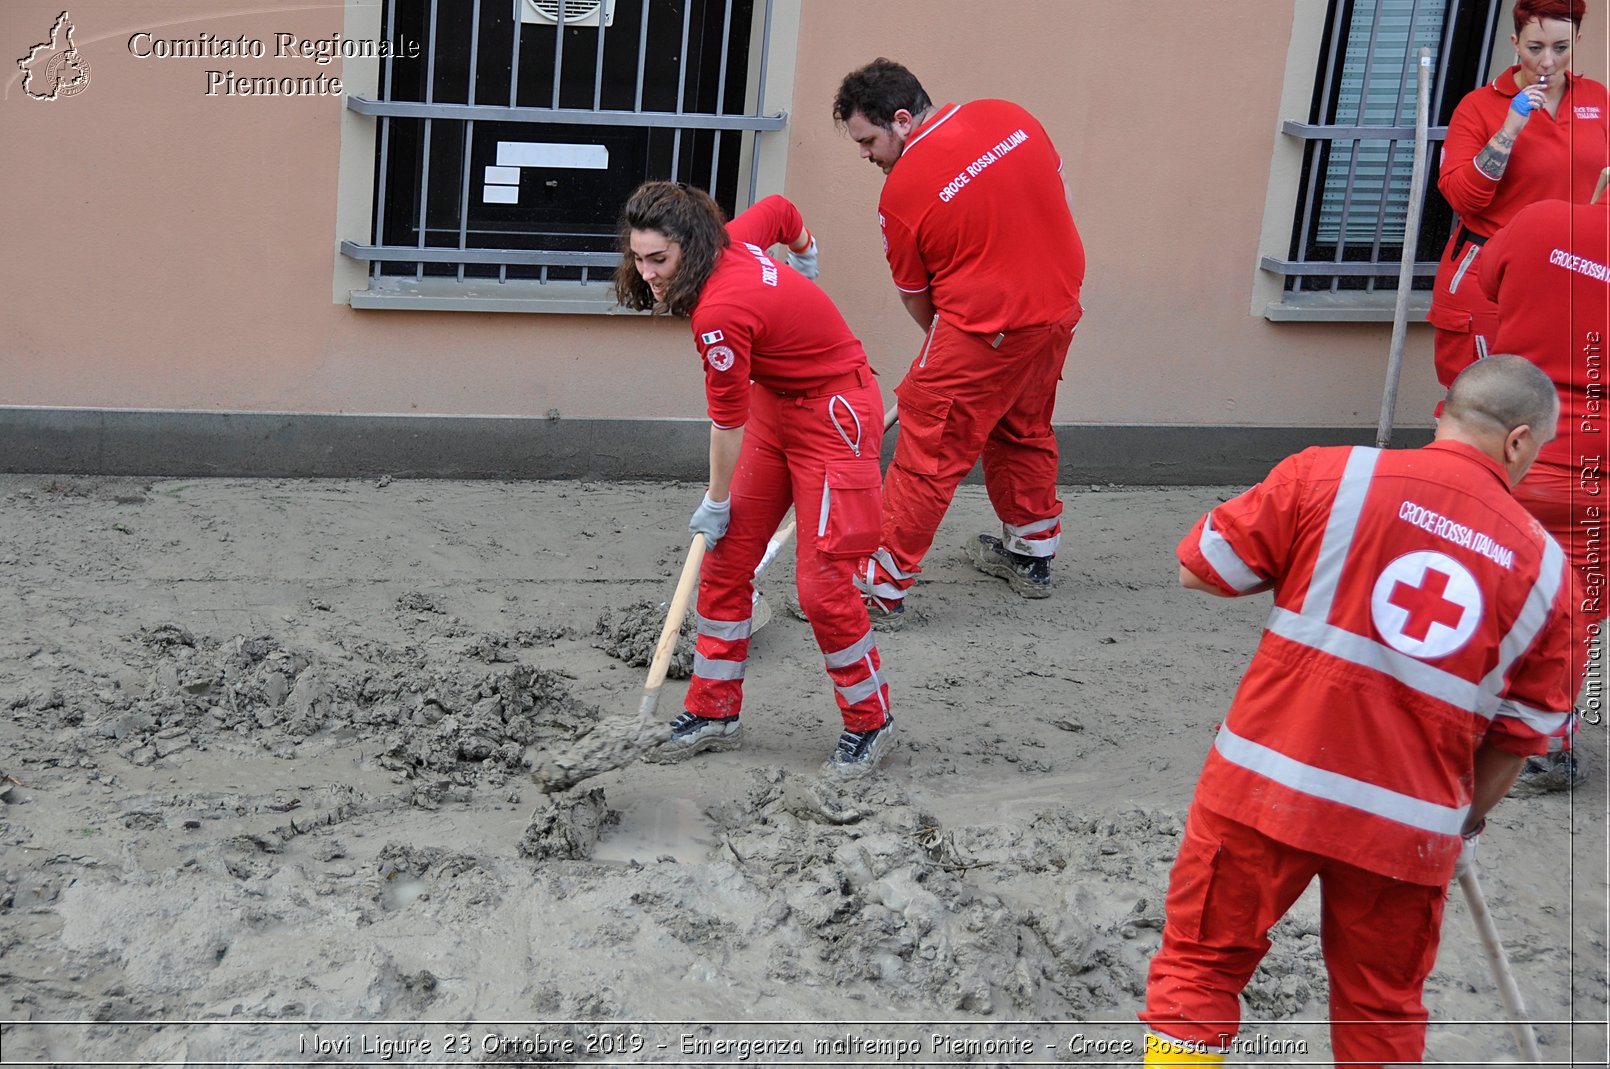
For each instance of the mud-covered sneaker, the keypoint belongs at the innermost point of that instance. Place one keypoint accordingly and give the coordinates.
(890, 619)
(692, 734)
(1548, 775)
(1028, 576)
(859, 752)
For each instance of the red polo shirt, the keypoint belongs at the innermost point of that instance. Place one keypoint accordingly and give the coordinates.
(1558, 157)
(1549, 271)
(975, 212)
(757, 319)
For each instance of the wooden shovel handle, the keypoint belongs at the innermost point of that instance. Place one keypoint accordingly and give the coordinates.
(1508, 991)
(674, 617)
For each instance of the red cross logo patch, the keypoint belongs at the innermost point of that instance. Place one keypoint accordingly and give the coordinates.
(1426, 605)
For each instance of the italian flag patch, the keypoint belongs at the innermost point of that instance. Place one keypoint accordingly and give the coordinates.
(711, 338)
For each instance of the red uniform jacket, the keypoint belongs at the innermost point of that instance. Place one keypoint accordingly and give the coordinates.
(1418, 609)
(757, 319)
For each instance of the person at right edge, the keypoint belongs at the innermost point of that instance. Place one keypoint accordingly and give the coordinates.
(978, 231)
(1534, 133)
(1419, 650)
(1547, 273)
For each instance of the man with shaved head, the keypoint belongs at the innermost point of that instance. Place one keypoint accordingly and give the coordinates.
(1418, 651)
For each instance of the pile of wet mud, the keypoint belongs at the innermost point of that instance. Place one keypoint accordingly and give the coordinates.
(858, 890)
(630, 634)
(469, 714)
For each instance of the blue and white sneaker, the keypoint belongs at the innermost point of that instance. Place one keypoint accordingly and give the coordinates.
(692, 734)
(859, 752)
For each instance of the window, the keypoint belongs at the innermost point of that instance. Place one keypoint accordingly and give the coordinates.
(505, 149)
(1358, 145)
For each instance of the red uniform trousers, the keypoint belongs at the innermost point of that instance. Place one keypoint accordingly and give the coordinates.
(1231, 884)
(963, 396)
(1559, 498)
(1465, 319)
(794, 454)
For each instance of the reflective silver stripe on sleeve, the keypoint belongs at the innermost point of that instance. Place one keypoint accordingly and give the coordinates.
(1231, 568)
(705, 668)
(1533, 615)
(850, 654)
(731, 630)
(1536, 719)
(1339, 529)
(1367, 653)
(860, 692)
(1335, 787)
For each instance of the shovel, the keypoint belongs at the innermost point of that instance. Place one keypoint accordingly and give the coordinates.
(611, 746)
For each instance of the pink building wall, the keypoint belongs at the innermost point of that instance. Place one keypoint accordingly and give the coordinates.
(173, 250)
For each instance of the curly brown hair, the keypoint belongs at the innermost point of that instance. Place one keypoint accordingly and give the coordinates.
(688, 216)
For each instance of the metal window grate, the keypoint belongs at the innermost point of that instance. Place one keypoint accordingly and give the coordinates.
(507, 147)
(1359, 152)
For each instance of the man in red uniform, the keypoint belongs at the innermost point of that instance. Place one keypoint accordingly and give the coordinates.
(1419, 649)
(980, 239)
(1548, 272)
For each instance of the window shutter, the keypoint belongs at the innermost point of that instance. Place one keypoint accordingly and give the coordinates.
(1376, 88)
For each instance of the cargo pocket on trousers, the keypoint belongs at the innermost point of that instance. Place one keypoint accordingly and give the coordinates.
(852, 513)
(923, 415)
(1190, 883)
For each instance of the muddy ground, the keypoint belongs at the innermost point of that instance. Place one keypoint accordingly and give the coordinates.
(267, 799)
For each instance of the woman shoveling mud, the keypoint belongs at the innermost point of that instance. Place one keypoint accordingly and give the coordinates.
(796, 419)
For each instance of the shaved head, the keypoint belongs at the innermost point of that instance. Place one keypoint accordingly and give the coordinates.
(1500, 393)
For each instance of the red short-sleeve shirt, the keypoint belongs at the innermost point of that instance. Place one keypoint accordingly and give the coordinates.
(975, 213)
(759, 320)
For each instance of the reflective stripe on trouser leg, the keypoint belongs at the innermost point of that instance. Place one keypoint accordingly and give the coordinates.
(721, 655)
(881, 580)
(1038, 539)
(858, 684)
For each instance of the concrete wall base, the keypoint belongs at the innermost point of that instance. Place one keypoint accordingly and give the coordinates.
(76, 441)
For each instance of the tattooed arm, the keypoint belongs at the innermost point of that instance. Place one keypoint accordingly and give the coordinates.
(1475, 156)
(1493, 158)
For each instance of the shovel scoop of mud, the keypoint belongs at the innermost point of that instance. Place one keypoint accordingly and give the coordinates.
(613, 744)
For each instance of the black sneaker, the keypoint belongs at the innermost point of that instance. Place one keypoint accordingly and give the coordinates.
(890, 619)
(1548, 775)
(859, 752)
(1028, 576)
(692, 734)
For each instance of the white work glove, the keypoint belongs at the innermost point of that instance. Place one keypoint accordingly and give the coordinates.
(805, 262)
(1467, 851)
(710, 519)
